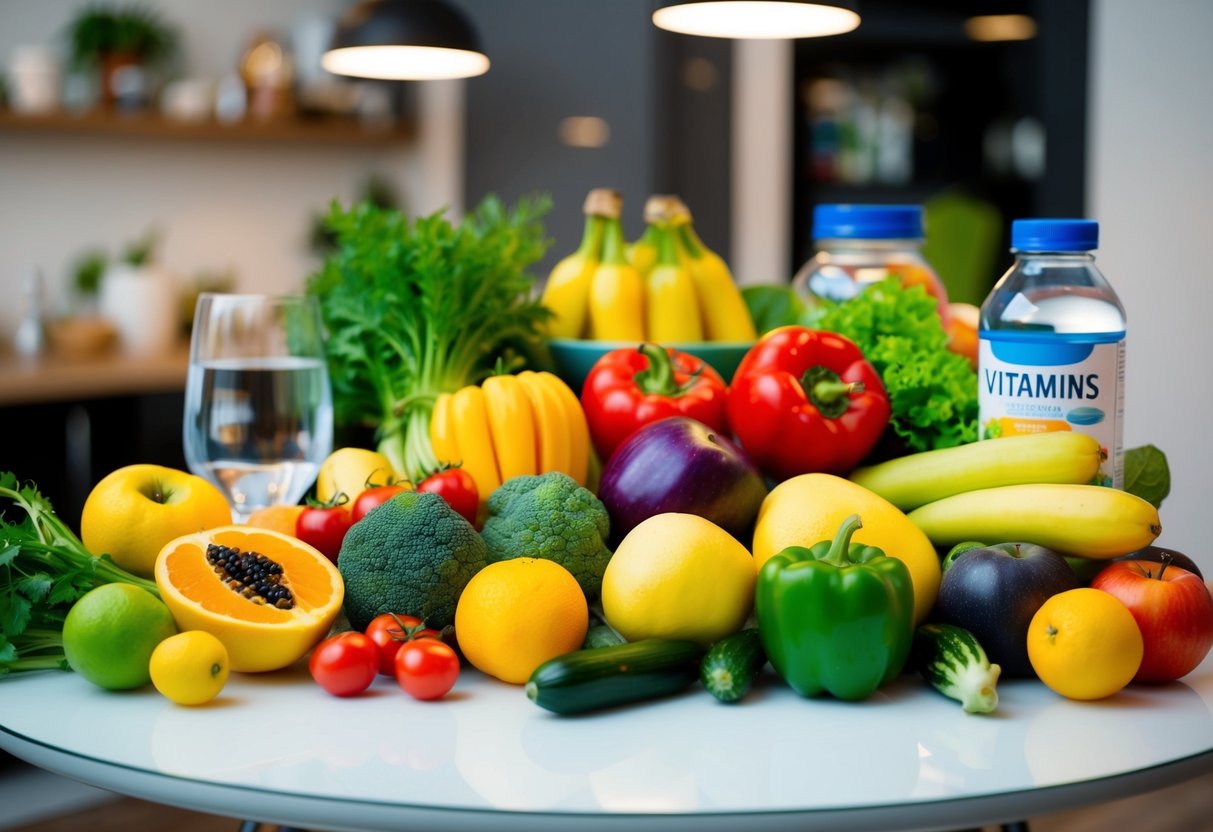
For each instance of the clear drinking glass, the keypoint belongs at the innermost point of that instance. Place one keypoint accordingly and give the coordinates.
(258, 408)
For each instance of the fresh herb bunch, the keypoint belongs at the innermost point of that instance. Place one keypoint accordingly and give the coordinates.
(415, 309)
(44, 569)
(932, 392)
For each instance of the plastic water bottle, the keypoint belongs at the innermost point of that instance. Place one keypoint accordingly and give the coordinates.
(1052, 342)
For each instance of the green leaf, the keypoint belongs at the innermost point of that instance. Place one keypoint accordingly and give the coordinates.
(15, 616)
(1147, 474)
(8, 653)
(35, 587)
(773, 306)
(9, 555)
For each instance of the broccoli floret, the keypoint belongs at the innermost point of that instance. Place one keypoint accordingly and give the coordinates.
(550, 516)
(413, 555)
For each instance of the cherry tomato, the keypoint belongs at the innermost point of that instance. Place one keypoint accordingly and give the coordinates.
(389, 631)
(373, 498)
(457, 487)
(345, 664)
(426, 668)
(324, 527)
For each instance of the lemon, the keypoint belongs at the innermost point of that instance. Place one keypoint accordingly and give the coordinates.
(1084, 644)
(678, 576)
(809, 508)
(189, 668)
(350, 471)
(516, 614)
(110, 633)
(133, 511)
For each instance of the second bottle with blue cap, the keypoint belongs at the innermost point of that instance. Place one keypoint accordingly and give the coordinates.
(1051, 353)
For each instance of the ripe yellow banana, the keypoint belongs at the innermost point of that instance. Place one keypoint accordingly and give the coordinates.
(511, 425)
(567, 292)
(671, 306)
(642, 254)
(725, 315)
(1055, 457)
(1089, 521)
(616, 292)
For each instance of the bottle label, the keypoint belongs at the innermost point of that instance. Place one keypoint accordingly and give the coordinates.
(1035, 382)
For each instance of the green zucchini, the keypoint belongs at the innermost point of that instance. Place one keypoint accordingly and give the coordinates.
(732, 664)
(953, 662)
(601, 677)
(601, 635)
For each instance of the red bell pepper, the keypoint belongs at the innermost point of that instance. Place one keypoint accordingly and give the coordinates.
(806, 401)
(627, 389)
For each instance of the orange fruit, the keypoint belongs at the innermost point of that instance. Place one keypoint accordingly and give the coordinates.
(109, 635)
(1084, 644)
(809, 508)
(135, 510)
(516, 614)
(276, 518)
(266, 622)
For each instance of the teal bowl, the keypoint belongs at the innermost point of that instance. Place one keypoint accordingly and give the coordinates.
(575, 357)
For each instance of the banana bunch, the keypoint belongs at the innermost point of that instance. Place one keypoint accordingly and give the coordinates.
(666, 287)
(1032, 488)
(509, 425)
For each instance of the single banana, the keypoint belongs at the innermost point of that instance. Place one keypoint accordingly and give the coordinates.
(725, 315)
(670, 304)
(473, 437)
(616, 289)
(552, 436)
(1088, 521)
(642, 254)
(567, 291)
(511, 424)
(911, 481)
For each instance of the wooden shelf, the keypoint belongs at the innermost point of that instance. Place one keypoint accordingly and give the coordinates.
(54, 379)
(292, 131)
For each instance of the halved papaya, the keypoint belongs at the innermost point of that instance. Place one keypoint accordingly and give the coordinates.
(268, 597)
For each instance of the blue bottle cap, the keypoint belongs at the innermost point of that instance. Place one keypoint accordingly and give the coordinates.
(1054, 235)
(867, 222)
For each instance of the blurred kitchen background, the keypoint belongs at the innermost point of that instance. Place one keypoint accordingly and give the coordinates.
(209, 164)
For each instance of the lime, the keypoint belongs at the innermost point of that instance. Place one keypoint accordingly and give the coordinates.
(110, 633)
(190, 668)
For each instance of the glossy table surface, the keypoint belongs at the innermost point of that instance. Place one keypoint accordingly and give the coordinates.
(276, 748)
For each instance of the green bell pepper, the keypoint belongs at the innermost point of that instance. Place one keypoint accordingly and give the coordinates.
(836, 618)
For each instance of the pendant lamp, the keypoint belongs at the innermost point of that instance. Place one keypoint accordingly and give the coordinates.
(762, 19)
(405, 40)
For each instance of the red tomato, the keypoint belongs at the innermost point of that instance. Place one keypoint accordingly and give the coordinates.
(457, 487)
(373, 498)
(426, 668)
(345, 664)
(324, 528)
(389, 631)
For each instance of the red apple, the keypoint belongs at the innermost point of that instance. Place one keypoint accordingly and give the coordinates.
(1174, 610)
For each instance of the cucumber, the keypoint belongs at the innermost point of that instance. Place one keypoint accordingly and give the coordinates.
(952, 661)
(601, 677)
(732, 664)
(601, 635)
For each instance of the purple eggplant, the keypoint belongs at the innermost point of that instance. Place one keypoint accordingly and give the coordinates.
(681, 465)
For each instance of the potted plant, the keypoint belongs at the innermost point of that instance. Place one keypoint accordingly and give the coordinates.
(108, 39)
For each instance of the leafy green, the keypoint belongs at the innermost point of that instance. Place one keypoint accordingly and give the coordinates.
(773, 306)
(44, 568)
(932, 392)
(1147, 474)
(416, 309)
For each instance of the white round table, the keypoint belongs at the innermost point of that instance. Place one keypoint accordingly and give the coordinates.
(276, 748)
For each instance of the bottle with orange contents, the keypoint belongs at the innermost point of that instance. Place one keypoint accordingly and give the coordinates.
(862, 244)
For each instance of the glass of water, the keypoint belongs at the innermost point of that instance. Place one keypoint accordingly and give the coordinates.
(258, 408)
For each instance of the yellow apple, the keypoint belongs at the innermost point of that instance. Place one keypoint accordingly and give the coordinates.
(135, 510)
